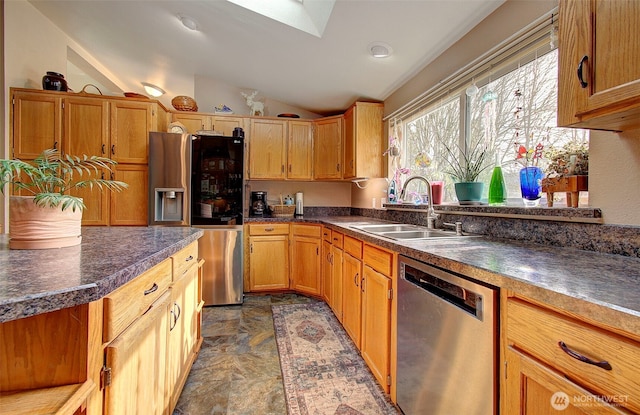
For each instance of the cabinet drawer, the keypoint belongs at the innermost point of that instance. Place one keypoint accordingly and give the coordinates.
(269, 229)
(353, 247)
(312, 231)
(336, 239)
(326, 234)
(537, 332)
(124, 305)
(378, 259)
(184, 259)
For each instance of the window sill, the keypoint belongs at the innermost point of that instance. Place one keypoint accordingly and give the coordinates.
(557, 214)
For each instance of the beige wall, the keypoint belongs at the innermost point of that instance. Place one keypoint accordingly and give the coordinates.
(333, 194)
(614, 160)
(4, 148)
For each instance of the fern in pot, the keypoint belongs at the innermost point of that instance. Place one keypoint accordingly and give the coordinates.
(464, 169)
(50, 216)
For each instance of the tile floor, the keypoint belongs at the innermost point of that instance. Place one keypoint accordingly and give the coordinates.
(238, 369)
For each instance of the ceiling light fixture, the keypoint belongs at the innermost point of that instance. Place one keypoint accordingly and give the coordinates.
(153, 90)
(188, 22)
(380, 50)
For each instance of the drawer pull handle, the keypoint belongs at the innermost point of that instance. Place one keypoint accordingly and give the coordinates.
(269, 229)
(603, 364)
(583, 83)
(189, 258)
(152, 289)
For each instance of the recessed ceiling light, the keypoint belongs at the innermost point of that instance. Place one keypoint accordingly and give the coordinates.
(188, 22)
(380, 50)
(153, 90)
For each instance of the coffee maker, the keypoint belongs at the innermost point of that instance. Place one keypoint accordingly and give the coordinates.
(258, 203)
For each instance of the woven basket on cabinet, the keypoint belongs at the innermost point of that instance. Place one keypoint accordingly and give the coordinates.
(184, 103)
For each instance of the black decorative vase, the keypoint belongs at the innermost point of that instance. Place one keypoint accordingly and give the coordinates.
(54, 81)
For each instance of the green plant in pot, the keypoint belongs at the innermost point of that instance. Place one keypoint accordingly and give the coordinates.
(50, 216)
(464, 168)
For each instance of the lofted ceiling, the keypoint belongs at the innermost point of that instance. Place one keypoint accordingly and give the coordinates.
(322, 67)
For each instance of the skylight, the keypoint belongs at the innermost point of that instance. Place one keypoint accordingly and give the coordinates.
(310, 16)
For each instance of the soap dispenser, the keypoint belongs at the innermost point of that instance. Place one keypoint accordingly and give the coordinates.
(391, 192)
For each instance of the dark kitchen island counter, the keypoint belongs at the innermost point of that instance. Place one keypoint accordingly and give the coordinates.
(38, 281)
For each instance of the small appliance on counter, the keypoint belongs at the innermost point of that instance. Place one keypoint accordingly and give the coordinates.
(258, 204)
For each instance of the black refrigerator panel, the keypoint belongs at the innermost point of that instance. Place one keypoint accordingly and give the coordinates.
(217, 182)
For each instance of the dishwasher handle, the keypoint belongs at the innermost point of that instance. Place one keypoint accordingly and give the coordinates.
(463, 298)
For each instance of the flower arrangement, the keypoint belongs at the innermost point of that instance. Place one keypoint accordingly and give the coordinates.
(570, 159)
(529, 157)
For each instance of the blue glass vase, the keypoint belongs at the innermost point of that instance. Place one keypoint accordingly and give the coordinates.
(531, 185)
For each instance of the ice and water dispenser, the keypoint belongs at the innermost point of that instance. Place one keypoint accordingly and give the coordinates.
(169, 205)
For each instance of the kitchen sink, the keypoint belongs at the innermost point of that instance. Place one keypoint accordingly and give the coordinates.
(392, 227)
(401, 232)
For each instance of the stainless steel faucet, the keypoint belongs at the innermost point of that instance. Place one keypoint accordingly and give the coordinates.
(431, 213)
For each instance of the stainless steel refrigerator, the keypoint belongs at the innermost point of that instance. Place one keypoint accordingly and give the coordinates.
(197, 180)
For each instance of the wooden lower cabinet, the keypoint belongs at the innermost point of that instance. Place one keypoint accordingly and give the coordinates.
(351, 297)
(137, 362)
(306, 259)
(376, 324)
(183, 332)
(555, 362)
(326, 270)
(268, 262)
(336, 281)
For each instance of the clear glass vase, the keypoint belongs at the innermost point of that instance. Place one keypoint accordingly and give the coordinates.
(531, 185)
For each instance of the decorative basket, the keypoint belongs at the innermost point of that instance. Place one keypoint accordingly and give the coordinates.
(283, 211)
(184, 103)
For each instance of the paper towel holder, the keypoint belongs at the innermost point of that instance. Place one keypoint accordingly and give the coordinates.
(359, 180)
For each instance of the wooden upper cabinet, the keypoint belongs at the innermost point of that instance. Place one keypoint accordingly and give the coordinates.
(225, 124)
(599, 34)
(37, 123)
(130, 126)
(327, 148)
(86, 126)
(363, 140)
(192, 121)
(267, 149)
(300, 150)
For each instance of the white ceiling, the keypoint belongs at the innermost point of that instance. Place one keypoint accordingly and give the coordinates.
(144, 41)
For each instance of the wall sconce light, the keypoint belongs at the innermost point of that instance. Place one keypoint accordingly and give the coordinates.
(153, 90)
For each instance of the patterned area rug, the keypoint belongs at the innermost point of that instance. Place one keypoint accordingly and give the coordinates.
(322, 370)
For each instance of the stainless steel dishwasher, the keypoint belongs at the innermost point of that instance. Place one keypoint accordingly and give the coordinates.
(447, 343)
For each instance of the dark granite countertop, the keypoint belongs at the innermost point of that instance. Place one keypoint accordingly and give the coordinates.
(38, 281)
(602, 287)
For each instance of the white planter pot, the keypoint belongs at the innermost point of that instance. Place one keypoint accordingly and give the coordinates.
(34, 227)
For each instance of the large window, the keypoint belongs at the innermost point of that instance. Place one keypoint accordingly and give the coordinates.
(510, 106)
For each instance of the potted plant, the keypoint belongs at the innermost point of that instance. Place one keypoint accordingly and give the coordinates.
(567, 171)
(465, 168)
(50, 216)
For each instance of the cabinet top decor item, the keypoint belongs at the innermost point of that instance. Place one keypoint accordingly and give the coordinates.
(184, 103)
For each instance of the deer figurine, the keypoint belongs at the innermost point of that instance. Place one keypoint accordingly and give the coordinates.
(256, 107)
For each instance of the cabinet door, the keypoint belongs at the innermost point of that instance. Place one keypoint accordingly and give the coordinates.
(37, 123)
(137, 359)
(327, 148)
(193, 122)
(226, 124)
(300, 150)
(598, 31)
(268, 262)
(129, 207)
(305, 264)
(326, 272)
(130, 126)
(351, 298)
(533, 389)
(183, 333)
(267, 149)
(336, 281)
(376, 324)
(363, 140)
